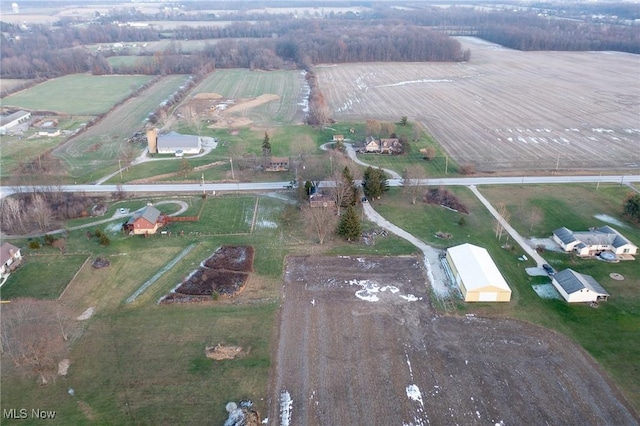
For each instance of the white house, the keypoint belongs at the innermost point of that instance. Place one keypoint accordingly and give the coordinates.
(173, 142)
(13, 120)
(10, 257)
(595, 241)
(575, 287)
(477, 275)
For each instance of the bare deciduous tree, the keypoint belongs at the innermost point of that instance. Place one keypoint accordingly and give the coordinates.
(41, 212)
(35, 336)
(321, 220)
(12, 215)
(413, 181)
(534, 216)
(373, 127)
(504, 213)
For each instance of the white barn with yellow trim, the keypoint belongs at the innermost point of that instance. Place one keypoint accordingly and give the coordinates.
(477, 275)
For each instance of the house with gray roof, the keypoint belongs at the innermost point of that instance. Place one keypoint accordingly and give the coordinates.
(595, 241)
(145, 222)
(575, 287)
(9, 121)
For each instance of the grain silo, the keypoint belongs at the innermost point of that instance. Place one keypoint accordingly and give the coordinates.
(152, 140)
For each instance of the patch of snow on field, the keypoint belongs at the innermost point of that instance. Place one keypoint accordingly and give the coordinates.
(410, 297)
(599, 130)
(286, 404)
(86, 314)
(114, 228)
(546, 291)
(424, 80)
(370, 290)
(611, 220)
(266, 224)
(413, 392)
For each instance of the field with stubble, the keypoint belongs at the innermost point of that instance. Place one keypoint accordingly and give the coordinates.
(360, 344)
(505, 109)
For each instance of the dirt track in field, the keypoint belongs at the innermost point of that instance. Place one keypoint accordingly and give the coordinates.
(506, 109)
(344, 360)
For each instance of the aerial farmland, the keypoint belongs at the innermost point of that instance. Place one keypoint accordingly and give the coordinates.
(505, 109)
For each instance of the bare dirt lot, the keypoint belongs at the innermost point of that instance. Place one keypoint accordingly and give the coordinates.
(214, 107)
(505, 109)
(359, 344)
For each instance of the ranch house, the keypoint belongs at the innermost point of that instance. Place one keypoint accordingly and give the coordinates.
(145, 222)
(10, 258)
(595, 241)
(476, 274)
(575, 287)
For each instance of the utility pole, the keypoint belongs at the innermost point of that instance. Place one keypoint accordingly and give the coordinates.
(203, 191)
(232, 175)
(558, 162)
(120, 168)
(446, 163)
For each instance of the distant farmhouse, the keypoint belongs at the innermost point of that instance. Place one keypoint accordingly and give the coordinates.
(277, 164)
(575, 287)
(13, 120)
(173, 143)
(49, 131)
(145, 222)
(477, 275)
(338, 138)
(383, 146)
(595, 241)
(10, 258)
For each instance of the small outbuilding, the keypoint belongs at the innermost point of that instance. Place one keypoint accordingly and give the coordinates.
(575, 287)
(477, 275)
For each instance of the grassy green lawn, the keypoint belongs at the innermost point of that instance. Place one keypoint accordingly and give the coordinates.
(77, 94)
(34, 278)
(607, 333)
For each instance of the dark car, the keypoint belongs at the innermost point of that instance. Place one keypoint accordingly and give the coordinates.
(548, 269)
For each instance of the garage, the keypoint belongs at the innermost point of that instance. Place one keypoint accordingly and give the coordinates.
(477, 275)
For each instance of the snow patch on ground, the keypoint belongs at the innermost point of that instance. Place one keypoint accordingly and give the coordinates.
(546, 291)
(413, 393)
(424, 80)
(286, 404)
(369, 291)
(611, 220)
(114, 228)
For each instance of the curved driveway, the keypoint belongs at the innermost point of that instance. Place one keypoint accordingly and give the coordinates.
(352, 154)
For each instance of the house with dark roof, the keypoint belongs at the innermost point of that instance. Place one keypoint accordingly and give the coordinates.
(595, 241)
(145, 222)
(10, 258)
(576, 287)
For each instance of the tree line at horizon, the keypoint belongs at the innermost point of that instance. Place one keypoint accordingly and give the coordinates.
(277, 41)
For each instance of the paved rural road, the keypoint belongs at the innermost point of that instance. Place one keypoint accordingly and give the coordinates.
(271, 186)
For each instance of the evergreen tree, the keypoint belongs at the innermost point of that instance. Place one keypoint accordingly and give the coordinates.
(350, 196)
(374, 183)
(632, 206)
(266, 145)
(349, 226)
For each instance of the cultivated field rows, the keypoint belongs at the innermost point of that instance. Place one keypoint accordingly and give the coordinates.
(240, 84)
(505, 109)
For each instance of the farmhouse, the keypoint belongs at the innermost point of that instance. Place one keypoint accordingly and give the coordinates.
(477, 275)
(173, 143)
(145, 222)
(595, 241)
(338, 138)
(383, 146)
(10, 257)
(277, 164)
(372, 145)
(320, 200)
(49, 131)
(13, 120)
(575, 287)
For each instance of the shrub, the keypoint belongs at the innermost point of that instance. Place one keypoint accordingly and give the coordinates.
(104, 240)
(35, 245)
(446, 198)
(49, 239)
(98, 233)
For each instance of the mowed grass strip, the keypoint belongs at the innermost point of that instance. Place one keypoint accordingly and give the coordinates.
(77, 94)
(35, 278)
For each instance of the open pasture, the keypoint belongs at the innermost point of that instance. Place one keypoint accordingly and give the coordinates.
(77, 94)
(241, 85)
(97, 149)
(505, 109)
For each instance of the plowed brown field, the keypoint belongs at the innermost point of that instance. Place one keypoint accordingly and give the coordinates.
(359, 344)
(506, 109)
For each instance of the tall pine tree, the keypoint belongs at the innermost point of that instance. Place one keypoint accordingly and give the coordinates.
(266, 145)
(349, 226)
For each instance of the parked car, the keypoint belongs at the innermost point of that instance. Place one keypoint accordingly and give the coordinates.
(548, 269)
